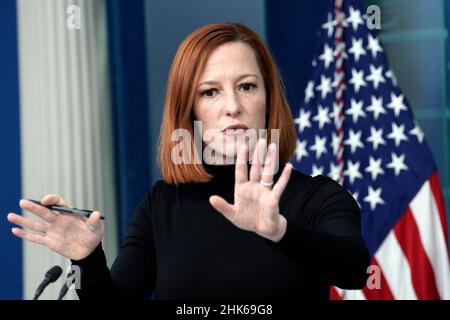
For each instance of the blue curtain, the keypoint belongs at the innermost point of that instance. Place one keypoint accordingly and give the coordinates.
(10, 171)
(128, 74)
(292, 36)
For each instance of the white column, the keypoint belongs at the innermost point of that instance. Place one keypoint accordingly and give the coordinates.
(66, 128)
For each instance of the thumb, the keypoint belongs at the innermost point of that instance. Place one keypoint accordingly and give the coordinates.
(93, 222)
(221, 205)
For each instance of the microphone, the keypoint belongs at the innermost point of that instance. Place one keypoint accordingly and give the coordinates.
(50, 276)
(64, 288)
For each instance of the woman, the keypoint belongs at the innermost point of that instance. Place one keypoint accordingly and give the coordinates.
(210, 230)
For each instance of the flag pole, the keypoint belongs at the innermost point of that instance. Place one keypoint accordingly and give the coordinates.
(339, 98)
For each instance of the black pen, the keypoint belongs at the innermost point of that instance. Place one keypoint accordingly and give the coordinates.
(82, 212)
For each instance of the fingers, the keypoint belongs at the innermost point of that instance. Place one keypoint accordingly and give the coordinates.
(27, 223)
(269, 164)
(281, 184)
(54, 199)
(93, 222)
(258, 159)
(42, 212)
(33, 237)
(241, 171)
(222, 206)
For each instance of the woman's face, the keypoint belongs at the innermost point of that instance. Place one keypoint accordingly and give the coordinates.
(231, 98)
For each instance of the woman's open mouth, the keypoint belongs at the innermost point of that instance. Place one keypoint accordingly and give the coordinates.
(235, 129)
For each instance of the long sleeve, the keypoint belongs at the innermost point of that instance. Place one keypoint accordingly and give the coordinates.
(330, 239)
(201, 255)
(132, 275)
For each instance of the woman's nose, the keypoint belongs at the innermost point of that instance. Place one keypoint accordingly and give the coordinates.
(233, 105)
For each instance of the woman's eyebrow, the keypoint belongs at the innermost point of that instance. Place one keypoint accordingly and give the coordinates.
(242, 76)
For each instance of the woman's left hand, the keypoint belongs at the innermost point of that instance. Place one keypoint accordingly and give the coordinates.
(255, 205)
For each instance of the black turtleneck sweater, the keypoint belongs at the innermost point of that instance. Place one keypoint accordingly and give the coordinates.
(180, 247)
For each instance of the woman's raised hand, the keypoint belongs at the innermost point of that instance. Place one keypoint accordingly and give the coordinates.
(255, 205)
(69, 235)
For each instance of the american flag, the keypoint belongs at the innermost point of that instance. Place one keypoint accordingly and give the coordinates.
(355, 126)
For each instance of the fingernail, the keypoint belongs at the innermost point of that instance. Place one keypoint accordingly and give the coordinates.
(289, 165)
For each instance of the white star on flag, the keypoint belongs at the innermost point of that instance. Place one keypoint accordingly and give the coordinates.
(300, 150)
(316, 171)
(324, 87)
(416, 131)
(322, 117)
(357, 49)
(303, 120)
(397, 163)
(329, 25)
(389, 74)
(357, 79)
(327, 56)
(319, 146)
(352, 171)
(309, 92)
(397, 104)
(376, 137)
(397, 134)
(335, 171)
(373, 197)
(356, 110)
(374, 46)
(354, 140)
(374, 167)
(376, 106)
(355, 18)
(376, 75)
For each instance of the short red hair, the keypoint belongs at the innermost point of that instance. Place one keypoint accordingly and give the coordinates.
(185, 72)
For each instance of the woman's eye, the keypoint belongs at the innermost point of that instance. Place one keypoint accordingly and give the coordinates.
(248, 86)
(209, 92)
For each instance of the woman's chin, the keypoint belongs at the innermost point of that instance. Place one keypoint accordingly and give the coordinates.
(223, 153)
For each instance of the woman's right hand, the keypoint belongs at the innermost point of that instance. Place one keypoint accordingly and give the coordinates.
(69, 235)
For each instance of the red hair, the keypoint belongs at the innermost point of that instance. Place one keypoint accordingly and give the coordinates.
(185, 72)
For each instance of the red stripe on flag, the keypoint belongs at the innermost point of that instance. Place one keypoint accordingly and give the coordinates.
(334, 295)
(408, 236)
(382, 293)
(437, 193)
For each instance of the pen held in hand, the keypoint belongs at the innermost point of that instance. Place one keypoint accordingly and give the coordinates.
(82, 212)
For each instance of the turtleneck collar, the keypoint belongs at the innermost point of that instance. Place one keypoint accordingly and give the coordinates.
(221, 170)
(227, 171)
